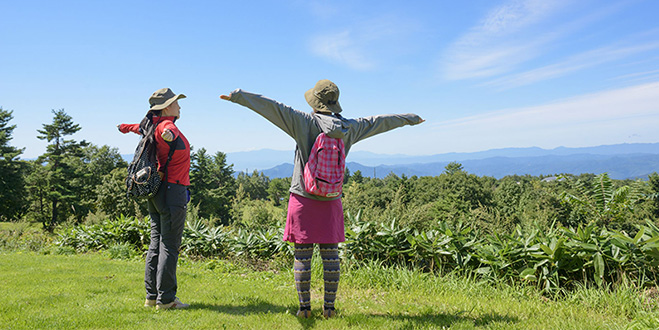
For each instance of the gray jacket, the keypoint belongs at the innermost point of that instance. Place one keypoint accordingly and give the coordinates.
(305, 127)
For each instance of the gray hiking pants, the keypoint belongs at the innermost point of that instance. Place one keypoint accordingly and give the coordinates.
(167, 212)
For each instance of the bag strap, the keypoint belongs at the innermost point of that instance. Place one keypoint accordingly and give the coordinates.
(172, 148)
(169, 155)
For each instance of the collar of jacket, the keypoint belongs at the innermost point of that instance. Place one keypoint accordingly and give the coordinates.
(157, 120)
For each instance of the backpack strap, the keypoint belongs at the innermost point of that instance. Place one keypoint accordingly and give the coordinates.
(169, 157)
(172, 148)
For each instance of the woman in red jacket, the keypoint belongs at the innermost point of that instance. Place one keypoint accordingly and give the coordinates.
(168, 207)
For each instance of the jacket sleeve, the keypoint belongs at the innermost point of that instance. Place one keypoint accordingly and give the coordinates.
(125, 128)
(366, 127)
(166, 125)
(289, 120)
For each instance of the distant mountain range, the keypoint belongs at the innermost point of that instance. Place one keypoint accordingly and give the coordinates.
(620, 161)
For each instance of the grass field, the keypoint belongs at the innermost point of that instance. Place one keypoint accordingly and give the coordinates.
(95, 292)
(21, 226)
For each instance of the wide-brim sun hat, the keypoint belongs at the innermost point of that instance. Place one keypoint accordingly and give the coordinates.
(324, 97)
(162, 98)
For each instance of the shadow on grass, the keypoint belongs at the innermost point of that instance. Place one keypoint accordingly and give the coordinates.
(257, 306)
(431, 319)
(253, 306)
(424, 320)
(421, 320)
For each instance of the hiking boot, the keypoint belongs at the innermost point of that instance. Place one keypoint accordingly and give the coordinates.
(176, 304)
(303, 313)
(329, 312)
(150, 303)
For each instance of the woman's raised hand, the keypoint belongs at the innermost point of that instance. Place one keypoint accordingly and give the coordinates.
(167, 135)
(226, 97)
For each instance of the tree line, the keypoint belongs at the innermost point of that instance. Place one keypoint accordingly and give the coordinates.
(77, 181)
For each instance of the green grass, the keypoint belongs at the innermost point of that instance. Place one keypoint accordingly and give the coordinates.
(92, 291)
(20, 226)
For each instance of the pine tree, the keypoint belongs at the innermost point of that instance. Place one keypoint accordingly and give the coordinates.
(12, 185)
(58, 181)
(212, 184)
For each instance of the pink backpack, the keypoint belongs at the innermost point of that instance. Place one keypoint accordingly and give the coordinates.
(323, 173)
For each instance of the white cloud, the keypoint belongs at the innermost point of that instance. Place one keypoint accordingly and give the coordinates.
(322, 9)
(344, 48)
(602, 106)
(638, 76)
(366, 45)
(513, 16)
(574, 63)
(627, 115)
(502, 40)
(599, 118)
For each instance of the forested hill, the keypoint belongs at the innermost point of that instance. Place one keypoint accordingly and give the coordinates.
(622, 161)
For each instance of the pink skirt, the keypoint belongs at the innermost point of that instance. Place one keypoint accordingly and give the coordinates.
(314, 221)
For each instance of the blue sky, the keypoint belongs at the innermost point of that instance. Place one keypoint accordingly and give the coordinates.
(484, 73)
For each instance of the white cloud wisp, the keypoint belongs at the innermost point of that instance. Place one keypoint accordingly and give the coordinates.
(501, 41)
(364, 46)
(574, 63)
(591, 119)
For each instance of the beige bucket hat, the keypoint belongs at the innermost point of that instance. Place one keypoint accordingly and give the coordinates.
(324, 97)
(162, 98)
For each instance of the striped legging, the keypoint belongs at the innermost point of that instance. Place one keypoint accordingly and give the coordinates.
(331, 273)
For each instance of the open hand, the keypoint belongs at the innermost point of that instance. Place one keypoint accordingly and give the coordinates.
(167, 135)
(226, 97)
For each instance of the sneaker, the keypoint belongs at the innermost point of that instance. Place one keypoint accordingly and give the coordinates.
(150, 303)
(303, 313)
(176, 304)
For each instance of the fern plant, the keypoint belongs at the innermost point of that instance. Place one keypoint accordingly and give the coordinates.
(601, 200)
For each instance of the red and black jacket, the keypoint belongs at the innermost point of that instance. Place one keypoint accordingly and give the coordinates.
(178, 169)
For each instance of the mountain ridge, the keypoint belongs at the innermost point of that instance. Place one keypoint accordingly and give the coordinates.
(619, 167)
(268, 158)
(621, 161)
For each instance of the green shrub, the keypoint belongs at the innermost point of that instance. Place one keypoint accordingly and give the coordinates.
(121, 251)
(24, 236)
(92, 237)
(63, 250)
(200, 239)
(263, 244)
(258, 214)
(552, 259)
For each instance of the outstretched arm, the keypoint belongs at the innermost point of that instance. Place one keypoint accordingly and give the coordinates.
(370, 126)
(286, 118)
(125, 128)
(167, 134)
